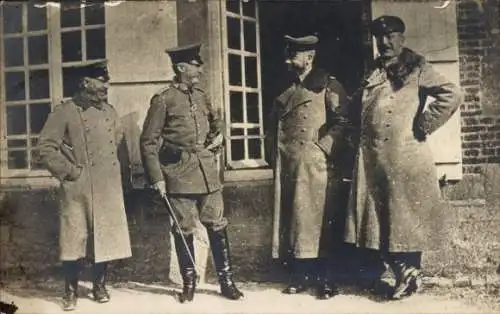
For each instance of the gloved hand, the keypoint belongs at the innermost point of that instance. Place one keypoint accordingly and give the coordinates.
(160, 187)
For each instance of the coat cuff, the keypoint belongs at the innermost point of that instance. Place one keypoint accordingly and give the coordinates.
(74, 173)
(326, 144)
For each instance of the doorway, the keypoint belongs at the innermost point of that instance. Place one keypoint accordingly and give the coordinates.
(338, 24)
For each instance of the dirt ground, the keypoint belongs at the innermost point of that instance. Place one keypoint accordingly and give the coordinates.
(43, 297)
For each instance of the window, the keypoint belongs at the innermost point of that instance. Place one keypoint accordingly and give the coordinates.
(40, 45)
(242, 86)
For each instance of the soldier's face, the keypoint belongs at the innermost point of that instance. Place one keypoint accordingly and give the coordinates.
(390, 45)
(298, 61)
(97, 88)
(190, 73)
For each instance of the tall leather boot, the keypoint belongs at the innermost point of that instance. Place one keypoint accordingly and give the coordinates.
(187, 268)
(219, 244)
(99, 291)
(71, 270)
(299, 277)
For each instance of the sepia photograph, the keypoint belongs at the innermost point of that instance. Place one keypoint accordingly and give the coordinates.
(250, 156)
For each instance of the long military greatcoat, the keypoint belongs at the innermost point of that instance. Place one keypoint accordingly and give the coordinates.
(179, 124)
(395, 202)
(307, 119)
(92, 212)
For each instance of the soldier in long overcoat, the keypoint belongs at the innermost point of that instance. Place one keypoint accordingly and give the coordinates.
(395, 203)
(180, 140)
(307, 119)
(78, 145)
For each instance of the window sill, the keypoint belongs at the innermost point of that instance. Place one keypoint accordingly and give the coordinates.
(248, 175)
(28, 183)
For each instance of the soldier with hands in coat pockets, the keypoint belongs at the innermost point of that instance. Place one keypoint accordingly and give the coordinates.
(306, 123)
(79, 146)
(181, 137)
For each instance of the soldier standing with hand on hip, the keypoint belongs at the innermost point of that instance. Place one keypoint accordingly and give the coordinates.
(181, 137)
(395, 205)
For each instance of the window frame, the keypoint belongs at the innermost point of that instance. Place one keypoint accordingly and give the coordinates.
(55, 67)
(247, 163)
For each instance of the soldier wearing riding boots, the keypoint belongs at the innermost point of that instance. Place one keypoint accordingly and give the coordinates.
(180, 140)
(395, 203)
(79, 146)
(307, 123)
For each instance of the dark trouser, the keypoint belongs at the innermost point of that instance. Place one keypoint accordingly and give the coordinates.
(307, 269)
(209, 208)
(413, 259)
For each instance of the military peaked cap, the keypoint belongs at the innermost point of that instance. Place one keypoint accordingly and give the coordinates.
(97, 70)
(301, 43)
(387, 24)
(189, 54)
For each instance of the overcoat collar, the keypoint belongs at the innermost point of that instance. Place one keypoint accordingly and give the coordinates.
(301, 92)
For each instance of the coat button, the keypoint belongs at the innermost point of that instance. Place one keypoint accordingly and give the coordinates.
(109, 130)
(387, 125)
(111, 141)
(386, 139)
(87, 129)
(304, 116)
(302, 142)
(389, 111)
(303, 129)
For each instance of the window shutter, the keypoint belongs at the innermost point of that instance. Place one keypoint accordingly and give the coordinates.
(432, 32)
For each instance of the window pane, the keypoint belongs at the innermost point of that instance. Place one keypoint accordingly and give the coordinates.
(71, 79)
(15, 86)
(38, 116)
(96, 44)
(13, 48)
(38, 49)
(251, 72)
(17, 159)
(253, 107)
(16, 120)
(70, 14)
(94, 13)
(254, 151)
(249, 8)
(12, 18)
(236, 106)
(233, 33)
(237, 150)
(37, 17)
(35, 162)
(254, 131)
(234, 70)
(236, 131)
(250, 36)
(233, 6)
(39, 84)
(16, 143)
(71, 45)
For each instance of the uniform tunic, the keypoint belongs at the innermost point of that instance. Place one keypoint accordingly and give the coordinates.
(395, 203)
(92, 213)
(307, 117)
(180, 123)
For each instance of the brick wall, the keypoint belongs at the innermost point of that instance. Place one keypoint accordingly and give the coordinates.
(479, 50)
